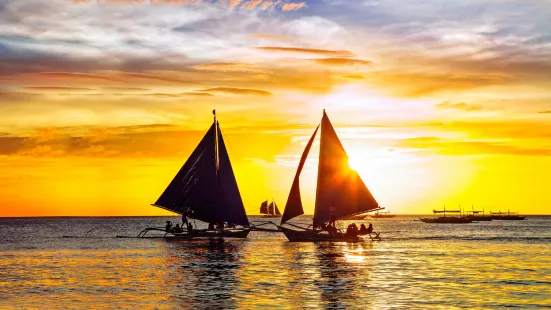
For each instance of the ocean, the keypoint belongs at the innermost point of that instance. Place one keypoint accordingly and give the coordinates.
(496, 264)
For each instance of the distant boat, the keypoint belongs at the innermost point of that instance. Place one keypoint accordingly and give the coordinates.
(382, 215)
(507, 216)
(478, 216)
(337, 184)
(270, 210)
(205, 189)
(447, 219)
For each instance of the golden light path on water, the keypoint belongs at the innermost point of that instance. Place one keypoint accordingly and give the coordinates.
(490, 265)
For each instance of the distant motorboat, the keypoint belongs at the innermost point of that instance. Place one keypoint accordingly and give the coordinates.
(382, 215)
(447, 219)
(507, 216)
(478, 216)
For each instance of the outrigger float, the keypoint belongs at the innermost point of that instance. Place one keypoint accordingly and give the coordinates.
(339, 187)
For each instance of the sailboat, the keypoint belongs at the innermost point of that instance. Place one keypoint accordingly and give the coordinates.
(269, 210)
(205, 189)
(339, 189)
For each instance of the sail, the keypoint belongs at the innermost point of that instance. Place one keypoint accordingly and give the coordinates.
(206, 184)
(338, 184)
(276, 209)
(293, 207)
(193, 186)
(271, 210)
(230, 204)
(264, 207)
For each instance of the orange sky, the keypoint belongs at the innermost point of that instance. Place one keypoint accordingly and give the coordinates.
(100, 104)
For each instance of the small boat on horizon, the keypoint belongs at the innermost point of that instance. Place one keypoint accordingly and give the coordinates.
(340, 192)
(509, 216)
(476, 216)
(447, 219)
(269, 210)
(382, 215)
(205, 189)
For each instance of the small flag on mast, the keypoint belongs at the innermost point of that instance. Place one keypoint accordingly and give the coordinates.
(213, 112)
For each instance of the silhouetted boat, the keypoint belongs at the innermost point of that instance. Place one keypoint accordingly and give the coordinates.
(447, 219)
(269, 210)
(476, 216)
(382, 215)
(205, 189)
(337, 184)
(509, 216)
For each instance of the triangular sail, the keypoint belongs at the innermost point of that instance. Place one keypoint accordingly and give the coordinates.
(271, 210)
(193, 186)
(231, 204)
(293, 207)
(276, 209)
(338, 184)
(264, 207)
(206, 184)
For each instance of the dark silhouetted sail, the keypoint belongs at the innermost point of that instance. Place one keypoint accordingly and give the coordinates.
(231, 204)
(264, 207)
(338, 184)
(276, 209)
(195, 183)
(293, 207)
(206, 184)
(271, 210)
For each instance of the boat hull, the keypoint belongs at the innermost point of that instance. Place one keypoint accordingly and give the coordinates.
(447, 220)
(309, 236)
(509, 218)
(224, 234)
(270, 216)
(480, 218)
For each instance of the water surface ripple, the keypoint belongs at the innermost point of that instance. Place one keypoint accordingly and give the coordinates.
(418, 266)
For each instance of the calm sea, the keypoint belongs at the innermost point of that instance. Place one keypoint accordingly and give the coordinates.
(494, 264)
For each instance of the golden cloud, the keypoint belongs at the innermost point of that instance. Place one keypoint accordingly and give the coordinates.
(341, 53)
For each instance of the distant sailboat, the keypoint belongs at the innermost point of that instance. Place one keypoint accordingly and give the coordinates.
(269, 210)
(338, 185)
(205, 189)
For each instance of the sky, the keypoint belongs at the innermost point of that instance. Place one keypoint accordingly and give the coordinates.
(436, 102)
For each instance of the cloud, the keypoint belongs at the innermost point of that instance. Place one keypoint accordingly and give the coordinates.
(352, 77)
(57, 88)
(343, 62)
(238, 91)
(268, 36)
(73, 75)
(293, 6)
(545, 112)
(16, 96)
(461, 106)
(306, 51)
(462, 148)
(156, 78)
(117, 88)
(227, 67)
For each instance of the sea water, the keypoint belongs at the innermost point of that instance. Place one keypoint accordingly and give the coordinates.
(494, 264)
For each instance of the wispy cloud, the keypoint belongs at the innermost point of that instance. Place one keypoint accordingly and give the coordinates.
(238, 91)
(57, 88)
(293, 6)
(461, 106)
(306, 51)
(343, 62)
